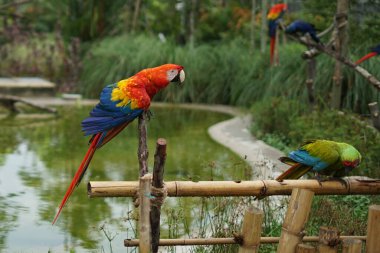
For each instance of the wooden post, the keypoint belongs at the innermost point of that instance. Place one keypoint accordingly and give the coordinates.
(158, 183)
(144, 213)
(305, 248)
(295, 219)
(352, 246)
(328, 240)
(373, 229)
(375, 114)
(341, 38)
(142, 152)
(251, 230)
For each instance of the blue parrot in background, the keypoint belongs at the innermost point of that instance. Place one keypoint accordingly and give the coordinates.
(300, 26)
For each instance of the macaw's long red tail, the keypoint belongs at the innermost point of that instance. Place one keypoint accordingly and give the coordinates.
(296, 171)
(365, 57)
(272, 48)
(80, 172)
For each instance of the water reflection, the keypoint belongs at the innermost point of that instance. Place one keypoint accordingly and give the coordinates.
(39, 157)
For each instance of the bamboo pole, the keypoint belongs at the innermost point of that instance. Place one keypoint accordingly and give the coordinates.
(158, 183)
(142, 152)
(228, 240)
(352, 246)
(238, 188)
(144, 211)
(251, 230)
(328, 240)
(373, 229)
(305, 248)
(295, 220)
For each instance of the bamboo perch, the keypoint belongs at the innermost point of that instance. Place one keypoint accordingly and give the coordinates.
(144, 211)
(238, 188)
(295, 220)
(251, 230)
(228, 240)
(373, 229)
(158, 183)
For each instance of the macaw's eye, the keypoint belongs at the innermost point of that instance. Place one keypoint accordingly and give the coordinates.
(347, 163)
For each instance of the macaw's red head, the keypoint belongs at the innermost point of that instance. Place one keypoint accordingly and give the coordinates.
(162, 75)
(277, 11)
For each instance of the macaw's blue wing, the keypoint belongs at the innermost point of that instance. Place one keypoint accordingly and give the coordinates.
(106, 115)
(302, 156)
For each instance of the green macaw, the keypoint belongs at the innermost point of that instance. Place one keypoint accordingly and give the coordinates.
(323, 157)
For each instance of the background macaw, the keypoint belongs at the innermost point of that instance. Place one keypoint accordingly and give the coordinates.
(274, 15)
(300, 26)
(120, 103)
(330, 158)
(374, 51)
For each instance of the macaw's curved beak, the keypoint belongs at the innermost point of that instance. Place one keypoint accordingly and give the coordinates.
(180, 78)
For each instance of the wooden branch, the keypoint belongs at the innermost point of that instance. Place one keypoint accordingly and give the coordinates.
(373, 229)
(375, 114)
(158, 183)
(144, 211)
(9, 101)
(370, 78)
(142, 152)
(228, 240)
(240, 188)
(295, 220)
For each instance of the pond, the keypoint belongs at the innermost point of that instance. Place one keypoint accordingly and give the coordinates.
(39, 156)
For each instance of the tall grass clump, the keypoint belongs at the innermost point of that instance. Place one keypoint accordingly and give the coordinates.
(223, 72)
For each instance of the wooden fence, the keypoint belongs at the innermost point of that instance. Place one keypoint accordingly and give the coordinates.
(151, 192)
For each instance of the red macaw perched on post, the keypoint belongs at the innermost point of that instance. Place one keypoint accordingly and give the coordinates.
(275, 13)
(323, 157)
(374, 51)
(120, 103)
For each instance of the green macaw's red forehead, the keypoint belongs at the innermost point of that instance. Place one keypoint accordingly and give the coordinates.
(351, 163)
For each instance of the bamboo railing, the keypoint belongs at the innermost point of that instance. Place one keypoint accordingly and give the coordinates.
(238, 188)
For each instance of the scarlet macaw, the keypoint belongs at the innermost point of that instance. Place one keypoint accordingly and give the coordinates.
(300, 26)
(374, 51)
(120, 103)
(274, 15)
(330, 158)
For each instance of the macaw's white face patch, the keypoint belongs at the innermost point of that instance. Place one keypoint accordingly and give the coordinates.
(172, 74)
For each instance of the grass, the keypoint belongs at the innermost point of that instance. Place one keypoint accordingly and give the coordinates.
(224, 72)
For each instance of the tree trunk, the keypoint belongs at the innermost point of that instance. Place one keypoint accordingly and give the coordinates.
(253, 21)
(136, 15)
(341, 38)
(263, 25)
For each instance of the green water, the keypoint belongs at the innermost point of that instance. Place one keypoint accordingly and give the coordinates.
(39, 156)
